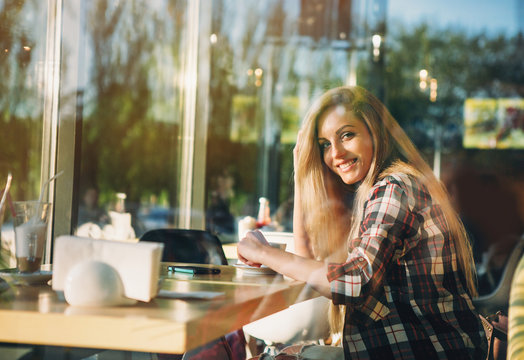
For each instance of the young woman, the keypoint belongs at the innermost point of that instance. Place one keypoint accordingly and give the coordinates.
(396, 259)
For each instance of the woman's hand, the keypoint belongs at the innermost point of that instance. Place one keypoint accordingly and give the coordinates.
(250, 248)
(254, 250)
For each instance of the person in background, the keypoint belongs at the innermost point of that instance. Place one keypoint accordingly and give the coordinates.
(284, 215)
(219, 219)
(396, 261)
(90, 211)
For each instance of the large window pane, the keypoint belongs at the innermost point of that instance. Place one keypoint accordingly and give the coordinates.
(191, 108)
(269, 58)
(129, 100)
(454, 80)
(23, 29)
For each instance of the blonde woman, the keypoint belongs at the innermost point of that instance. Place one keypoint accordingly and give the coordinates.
(397, 258)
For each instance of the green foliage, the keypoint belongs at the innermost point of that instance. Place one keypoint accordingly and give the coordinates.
(20, 101)
(464, 65)
(130, 140)
(132, 106)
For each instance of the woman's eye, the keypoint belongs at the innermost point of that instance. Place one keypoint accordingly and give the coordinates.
(324, 145)
(348, 135)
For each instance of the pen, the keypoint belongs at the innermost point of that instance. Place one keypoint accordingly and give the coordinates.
(193, 270)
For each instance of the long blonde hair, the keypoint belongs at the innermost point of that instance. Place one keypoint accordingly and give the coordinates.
(322, 192)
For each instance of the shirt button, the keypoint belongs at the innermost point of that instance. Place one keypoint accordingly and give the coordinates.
(361, 259)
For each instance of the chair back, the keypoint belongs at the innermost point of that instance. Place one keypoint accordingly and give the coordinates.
(516, 314)
(188, 245)
(499, 299)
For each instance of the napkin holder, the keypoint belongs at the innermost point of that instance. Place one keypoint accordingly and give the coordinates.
(137, 265)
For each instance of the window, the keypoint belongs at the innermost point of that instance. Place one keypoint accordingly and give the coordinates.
(265, 70)
(184, 113)
(127, 69)
(27, 70)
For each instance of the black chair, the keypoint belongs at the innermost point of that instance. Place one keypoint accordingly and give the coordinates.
(188, 246)
(199, 247)
(499, 299)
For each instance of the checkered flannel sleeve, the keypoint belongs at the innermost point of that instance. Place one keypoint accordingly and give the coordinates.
(387, 222)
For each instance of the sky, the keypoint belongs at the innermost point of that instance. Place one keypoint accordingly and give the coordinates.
(495, 16)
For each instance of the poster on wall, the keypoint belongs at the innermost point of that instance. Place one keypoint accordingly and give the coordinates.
(494, 123)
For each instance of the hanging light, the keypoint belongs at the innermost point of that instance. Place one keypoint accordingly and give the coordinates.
(433, 90)
(376, 40)
(423, 77)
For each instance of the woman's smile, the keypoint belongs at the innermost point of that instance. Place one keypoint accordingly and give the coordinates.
(346, 166)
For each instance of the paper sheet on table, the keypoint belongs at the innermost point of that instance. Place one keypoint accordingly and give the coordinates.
(205, 295)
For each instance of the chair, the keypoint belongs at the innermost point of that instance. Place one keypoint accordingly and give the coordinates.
(188, 245)
(304, 321)
(499, 298)
(516, 314)
(199, 247)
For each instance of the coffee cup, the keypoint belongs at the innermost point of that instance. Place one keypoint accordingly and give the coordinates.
(30, 223)
(245, 224)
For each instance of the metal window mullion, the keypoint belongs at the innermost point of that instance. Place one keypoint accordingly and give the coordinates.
(188, 122)
(201, 116)
(195, 121)
(50, 106)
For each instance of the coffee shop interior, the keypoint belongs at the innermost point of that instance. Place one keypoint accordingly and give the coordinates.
(183, 114)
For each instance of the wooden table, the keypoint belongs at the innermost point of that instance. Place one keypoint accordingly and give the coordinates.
(39, 315)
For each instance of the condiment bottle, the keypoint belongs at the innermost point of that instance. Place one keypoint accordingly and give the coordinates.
(263, 217)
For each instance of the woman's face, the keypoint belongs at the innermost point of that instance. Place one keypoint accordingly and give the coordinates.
(346, 144)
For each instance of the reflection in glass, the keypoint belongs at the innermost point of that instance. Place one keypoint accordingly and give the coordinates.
(22, 89)
(130, 106)
(270, 58)
(124, 69)
(22, 71)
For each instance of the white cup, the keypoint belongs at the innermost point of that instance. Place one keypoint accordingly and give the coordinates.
(245, 224)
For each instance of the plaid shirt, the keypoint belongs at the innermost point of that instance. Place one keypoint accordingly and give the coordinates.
(401, 283)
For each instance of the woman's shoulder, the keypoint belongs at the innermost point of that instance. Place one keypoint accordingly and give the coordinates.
(400, 172)
(403, 187)
(401, 179)
(398, 184)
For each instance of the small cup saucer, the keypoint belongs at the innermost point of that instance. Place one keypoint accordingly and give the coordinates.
(37, 278)
(253, 270)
